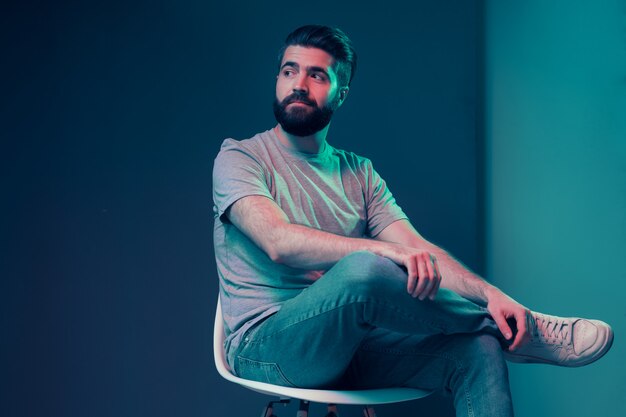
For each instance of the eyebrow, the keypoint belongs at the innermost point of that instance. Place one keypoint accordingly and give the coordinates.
(309, 69)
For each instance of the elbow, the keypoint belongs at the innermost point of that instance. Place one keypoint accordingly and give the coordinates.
(275, 255)
(279, 257)
(274, 247)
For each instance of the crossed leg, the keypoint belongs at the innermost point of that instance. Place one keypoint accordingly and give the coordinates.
(357, 325)
(470, 366)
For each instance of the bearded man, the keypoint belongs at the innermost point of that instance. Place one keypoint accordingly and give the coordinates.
(325, 283)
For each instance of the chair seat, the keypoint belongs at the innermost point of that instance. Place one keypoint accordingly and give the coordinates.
(357, 397)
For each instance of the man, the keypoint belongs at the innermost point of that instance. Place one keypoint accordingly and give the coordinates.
(325, 283)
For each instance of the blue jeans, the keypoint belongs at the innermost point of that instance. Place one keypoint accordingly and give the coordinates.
(357, 327)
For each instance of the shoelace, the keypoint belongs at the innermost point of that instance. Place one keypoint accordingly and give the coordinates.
(550, 329)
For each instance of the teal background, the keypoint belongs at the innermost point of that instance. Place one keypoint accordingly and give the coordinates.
(111, 115)
(555, 100)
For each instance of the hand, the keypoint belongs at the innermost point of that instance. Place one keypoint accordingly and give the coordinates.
(424, 277)
(505, 310)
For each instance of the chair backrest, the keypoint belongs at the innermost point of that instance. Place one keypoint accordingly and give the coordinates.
(361, 397)
(218, 344)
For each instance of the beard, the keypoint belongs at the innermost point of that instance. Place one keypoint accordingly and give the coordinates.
(303, 120)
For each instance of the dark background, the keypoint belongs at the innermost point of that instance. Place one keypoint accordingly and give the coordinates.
(111, 115)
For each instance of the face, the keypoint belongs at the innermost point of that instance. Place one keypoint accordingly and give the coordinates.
(307, 92)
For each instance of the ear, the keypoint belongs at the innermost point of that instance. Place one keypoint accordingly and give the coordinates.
(343, 93)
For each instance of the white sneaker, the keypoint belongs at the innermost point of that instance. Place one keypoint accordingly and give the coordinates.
(563, 341)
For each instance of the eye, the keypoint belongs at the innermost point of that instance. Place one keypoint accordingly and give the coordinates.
(319, 76)
(288, 72)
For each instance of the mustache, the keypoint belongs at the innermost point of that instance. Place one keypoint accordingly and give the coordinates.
(292, 98)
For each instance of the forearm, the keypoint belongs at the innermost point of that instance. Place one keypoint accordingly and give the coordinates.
(459, 278)
(298, 246)
(454, 275)
(304, 247)
(295, 245)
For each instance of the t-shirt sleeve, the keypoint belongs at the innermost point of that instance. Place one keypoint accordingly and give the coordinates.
(382, 209)
(237, 173)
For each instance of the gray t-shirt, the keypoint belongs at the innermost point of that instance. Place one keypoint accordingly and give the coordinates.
(334, 190)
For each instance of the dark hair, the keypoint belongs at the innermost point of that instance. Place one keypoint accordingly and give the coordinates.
(333, 41)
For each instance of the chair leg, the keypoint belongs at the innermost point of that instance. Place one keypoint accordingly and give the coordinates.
(303, 409)
(332, 411)
(268, 411)
(368, 411)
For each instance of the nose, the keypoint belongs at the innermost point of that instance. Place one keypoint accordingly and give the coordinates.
(300, 85)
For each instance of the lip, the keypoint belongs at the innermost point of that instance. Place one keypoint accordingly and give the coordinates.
(300, 102)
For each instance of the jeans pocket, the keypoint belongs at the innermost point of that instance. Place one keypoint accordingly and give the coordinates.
(267, 372)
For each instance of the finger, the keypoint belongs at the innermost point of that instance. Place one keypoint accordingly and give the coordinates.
(432, 275)
(437, 280)
(522, 330)
(429, 283)
(430, 265)
(436, 266)
(428, 291)
(423, 278)
(411, 268)
(503, 326)
(433, 291)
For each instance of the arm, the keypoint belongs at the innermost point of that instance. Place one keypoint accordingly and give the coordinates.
(458, 278)
(455, 275)
(263, 221)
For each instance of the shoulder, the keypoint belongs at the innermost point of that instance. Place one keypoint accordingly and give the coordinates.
(255, 144)
(256, 148)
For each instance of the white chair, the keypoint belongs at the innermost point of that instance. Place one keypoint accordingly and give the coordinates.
(367, 398)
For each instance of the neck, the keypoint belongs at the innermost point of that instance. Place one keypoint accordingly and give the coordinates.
(308, 144)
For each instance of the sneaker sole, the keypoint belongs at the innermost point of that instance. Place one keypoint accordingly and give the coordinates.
(512, 357)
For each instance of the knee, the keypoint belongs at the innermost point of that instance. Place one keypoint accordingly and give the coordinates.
(363, 265)
(482, 353)
(367, 272)
(480, 345)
